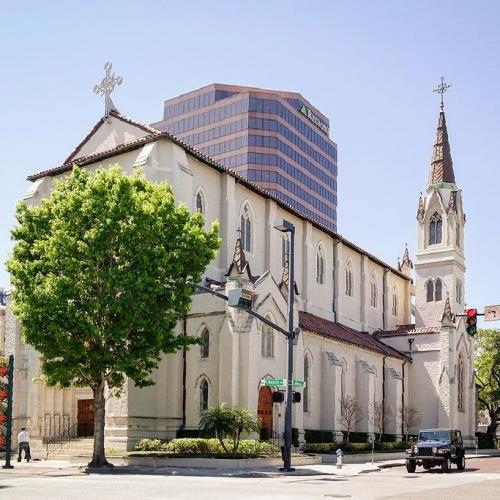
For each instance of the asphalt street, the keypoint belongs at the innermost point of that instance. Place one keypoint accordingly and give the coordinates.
(480, 480)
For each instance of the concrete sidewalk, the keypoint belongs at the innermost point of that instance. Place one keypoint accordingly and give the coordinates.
(67, 468)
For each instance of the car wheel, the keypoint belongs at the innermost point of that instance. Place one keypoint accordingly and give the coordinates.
(446, 464)
(461, 463)
(411, 465)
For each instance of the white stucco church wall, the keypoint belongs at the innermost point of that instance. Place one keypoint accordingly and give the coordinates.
(354, 311)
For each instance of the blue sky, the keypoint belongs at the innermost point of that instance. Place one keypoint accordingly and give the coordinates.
(370, 66)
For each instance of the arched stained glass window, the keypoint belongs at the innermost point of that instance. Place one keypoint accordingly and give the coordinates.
(435, 229)
(267, 341)
(430, 291)
(307, 380)
(348, 279)
(320, 266)
(205, 343)
(204, 395)
(246, 229)
(438, 292)
(200, 204)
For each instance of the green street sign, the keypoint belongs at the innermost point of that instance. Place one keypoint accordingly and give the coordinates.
(299, 383)
(274, 382)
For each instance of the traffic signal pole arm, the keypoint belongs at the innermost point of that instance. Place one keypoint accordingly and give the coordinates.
(253, 313)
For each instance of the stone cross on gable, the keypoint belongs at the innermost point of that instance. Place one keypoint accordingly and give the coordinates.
(106, 87)
(441, 89)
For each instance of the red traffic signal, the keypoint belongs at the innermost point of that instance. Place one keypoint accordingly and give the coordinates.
(471, 321)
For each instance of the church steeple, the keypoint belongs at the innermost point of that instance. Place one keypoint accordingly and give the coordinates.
(441, 170)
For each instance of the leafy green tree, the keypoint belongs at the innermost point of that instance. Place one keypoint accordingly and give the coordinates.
(225, 422)
(99, 271)
(487, 374)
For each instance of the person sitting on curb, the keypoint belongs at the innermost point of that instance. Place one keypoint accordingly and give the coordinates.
(23, 440)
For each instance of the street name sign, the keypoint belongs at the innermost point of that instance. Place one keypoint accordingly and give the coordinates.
(299, 383)
(492, 313)
(274, 382)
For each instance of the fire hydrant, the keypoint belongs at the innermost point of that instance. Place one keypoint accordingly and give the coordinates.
(340, 454)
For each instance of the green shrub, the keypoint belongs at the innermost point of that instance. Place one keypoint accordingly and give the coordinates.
(485, 440)
(318, 436)
(252, 447)
(388, 438)
(357, 437)
(264, 434)
(295, 437)
(194, 446)
(320, 447)
(149, 445)
(193, 433)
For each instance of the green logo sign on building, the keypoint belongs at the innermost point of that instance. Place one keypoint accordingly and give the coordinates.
(311, 116)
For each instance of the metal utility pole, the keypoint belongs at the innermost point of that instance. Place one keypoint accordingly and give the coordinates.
(8, 434)
(288, 227)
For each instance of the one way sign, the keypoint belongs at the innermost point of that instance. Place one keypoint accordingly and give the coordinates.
(492, 313)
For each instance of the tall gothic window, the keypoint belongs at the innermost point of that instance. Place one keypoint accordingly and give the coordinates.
(348, 279)
(246, 229)
(267, 342)
(435, 229)
(430, 291)
(342, 388)
(394, 301)
(204, 395)
(307, 380)
(460, 382)
(200, 205)
(373, 291)
(285, 249)
(459, 292)
(320, 266)
(205, 343)
(438, 292)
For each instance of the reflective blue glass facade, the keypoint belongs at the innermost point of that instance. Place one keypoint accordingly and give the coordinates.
(276, 139)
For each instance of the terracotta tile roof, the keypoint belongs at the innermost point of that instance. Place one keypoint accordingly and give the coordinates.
(342, 333)
(411, 330)
(157, 135)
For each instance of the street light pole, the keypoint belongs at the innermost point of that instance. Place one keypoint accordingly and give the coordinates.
(288, 227)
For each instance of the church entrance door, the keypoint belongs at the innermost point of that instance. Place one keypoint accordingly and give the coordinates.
(265, 409)
(85, 417)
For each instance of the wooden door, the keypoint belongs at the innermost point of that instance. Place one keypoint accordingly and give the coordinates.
(85, 417)
(265, 409)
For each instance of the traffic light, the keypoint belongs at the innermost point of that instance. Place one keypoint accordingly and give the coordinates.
(297, 397)
(278, 397)
(471, 321)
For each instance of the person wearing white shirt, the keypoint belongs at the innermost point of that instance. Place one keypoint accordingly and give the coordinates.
(23, 442)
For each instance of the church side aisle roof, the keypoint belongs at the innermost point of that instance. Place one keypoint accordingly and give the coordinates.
(155, 135)
(342, 333)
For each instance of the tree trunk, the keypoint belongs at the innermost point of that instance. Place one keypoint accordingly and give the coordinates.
(98, 455)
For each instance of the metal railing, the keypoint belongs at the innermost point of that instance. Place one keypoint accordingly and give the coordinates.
(57, 442)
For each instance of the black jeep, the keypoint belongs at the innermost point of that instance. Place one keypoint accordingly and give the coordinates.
(436, 447)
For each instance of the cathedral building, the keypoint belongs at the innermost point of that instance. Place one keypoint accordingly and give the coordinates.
(357, 336)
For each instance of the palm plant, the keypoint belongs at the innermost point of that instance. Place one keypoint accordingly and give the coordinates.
(225, 421)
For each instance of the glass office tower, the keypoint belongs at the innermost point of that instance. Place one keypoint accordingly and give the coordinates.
(276, 139)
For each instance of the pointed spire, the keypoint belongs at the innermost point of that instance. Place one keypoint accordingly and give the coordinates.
(421, 208)
(406, 265)
(448, 317)
(441, 170)
(239, 259)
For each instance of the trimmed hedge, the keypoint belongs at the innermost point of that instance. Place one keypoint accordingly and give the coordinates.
(354, 447)
(207, 447)
(193, 433)
(318, 436)
(485, 440)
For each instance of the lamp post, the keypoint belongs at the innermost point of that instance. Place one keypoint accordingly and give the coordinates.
(288, 227)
